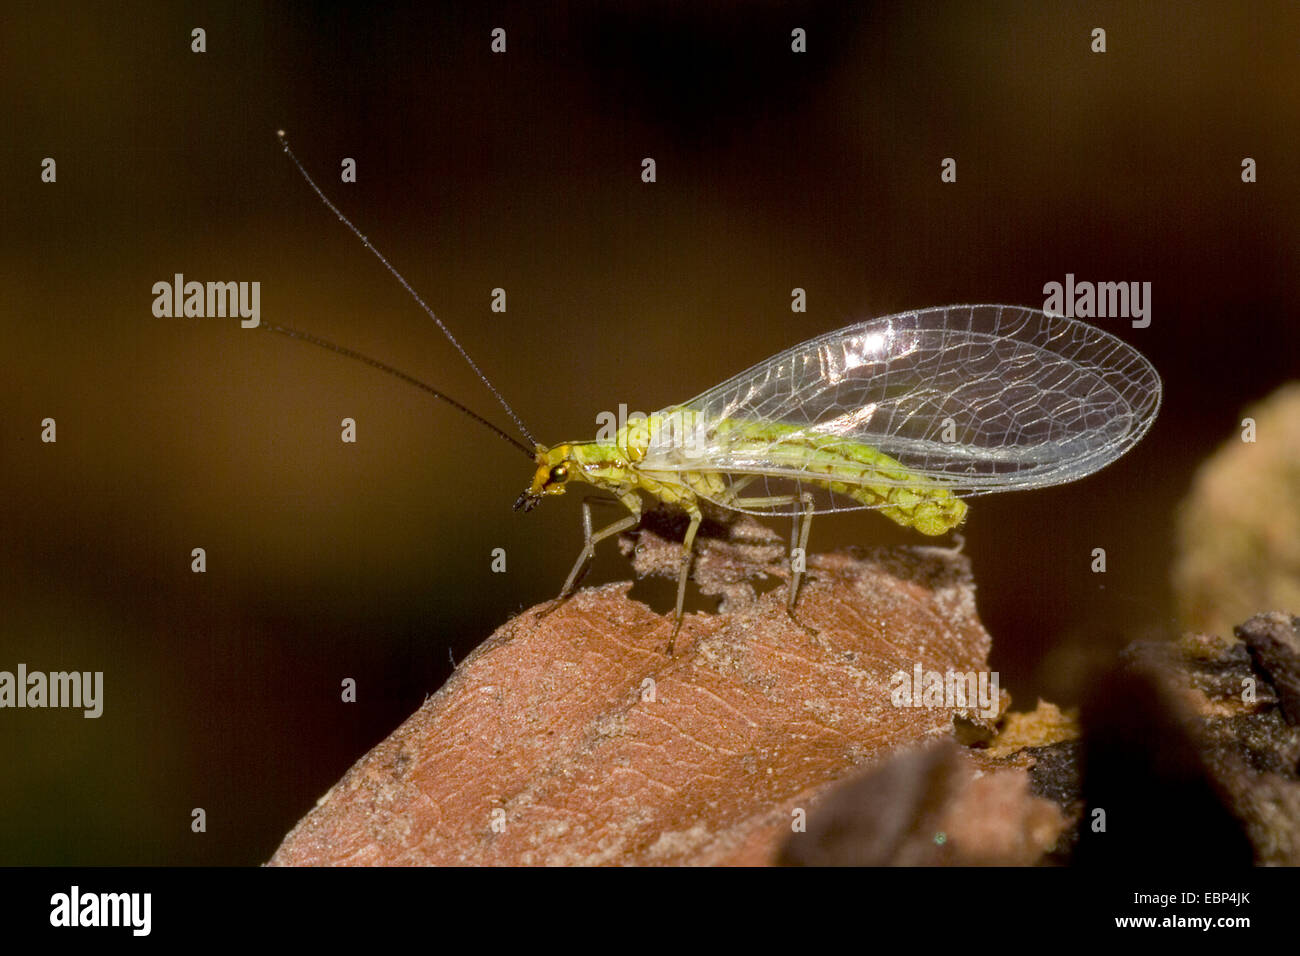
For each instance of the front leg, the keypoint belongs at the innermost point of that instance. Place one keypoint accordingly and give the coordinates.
(590, 539)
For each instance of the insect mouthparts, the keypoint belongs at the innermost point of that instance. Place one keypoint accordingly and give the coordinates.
(526, 501)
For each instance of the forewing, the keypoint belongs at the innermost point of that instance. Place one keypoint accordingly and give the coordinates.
(976, 399)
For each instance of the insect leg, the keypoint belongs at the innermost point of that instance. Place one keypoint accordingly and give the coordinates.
(802, 527)
(798, 534)
(737, 486)
(688, 545)
(758, 503)
(590, 540)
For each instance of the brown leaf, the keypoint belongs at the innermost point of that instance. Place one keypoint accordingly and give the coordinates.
(574, 738)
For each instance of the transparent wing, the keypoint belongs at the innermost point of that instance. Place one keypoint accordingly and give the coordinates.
(974, 398)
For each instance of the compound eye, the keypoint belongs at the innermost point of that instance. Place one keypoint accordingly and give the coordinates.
(559, 474)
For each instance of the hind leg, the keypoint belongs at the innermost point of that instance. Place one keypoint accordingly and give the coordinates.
(798, 539)
(799, 552)
(688, 546)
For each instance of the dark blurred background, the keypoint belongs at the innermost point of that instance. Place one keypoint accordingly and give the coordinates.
(371, 561)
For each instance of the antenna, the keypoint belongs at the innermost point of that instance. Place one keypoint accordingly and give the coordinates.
(284, 142)
(396, 373)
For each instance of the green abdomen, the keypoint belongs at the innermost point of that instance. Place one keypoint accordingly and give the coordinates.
(855, 470)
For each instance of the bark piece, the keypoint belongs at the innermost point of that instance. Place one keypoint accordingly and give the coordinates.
(1225, 697)
(1274, 644)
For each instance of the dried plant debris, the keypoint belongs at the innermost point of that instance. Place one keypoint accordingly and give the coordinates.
(935, 805)
(1205, 741)
(1239, 527)
(1045, 726)
(574, 738)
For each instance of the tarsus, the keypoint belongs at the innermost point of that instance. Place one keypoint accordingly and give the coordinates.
(284, 142)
